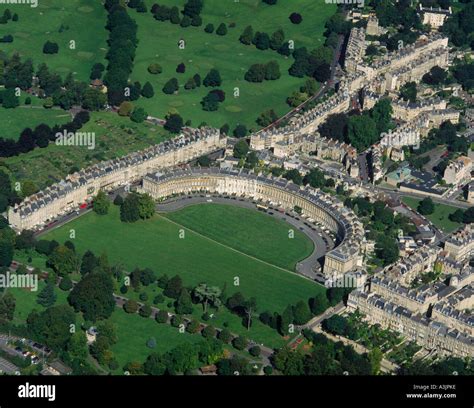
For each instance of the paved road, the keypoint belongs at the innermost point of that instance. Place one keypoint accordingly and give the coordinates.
(321, 240)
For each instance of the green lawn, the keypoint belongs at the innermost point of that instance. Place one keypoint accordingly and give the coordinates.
(82, 21)
(156, 243)
(133, 332)
(203, 51)
(115, 136)
(26, 301)
(440, 216)
(13, 121)
(261, 237)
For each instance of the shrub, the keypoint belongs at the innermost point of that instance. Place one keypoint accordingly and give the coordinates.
(240, 343)
(254, 351)
(296, 18)
(155, 69)
(225, 336)
(162, 316)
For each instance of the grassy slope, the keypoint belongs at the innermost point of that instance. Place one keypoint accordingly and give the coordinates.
(158, 43)
(86, 21)
(259, 236)
(156, 244)
(115, 136)
(12, 122)
(440, 217)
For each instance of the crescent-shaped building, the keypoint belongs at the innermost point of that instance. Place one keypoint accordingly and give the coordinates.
(315, 205)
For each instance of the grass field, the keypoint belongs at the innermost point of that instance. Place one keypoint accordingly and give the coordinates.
(261, 237)
(13, 121)
(440, 216)
(26, 301)
(115, 136)
(133, 332)
(156, 244)
(82, 21)
(203, 51)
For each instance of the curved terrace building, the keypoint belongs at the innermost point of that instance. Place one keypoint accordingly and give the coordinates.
(68, 194)
(281, 193)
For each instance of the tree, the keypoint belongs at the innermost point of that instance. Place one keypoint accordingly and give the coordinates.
(174, 287)
(336, 324)
(138, 115)
(386, 249)
(225, 336)
(7, 306)
(256, 73)
(222, 29)
(63, 260)
(301, 313)
(375, 357)
(171, 86)
(181, 68)
(174, 123)
(209, 28)
(436, 76)
(50, 47)
(93, 296)
(184, 304)
(47, 296)
(126, 108)
(240, 131)
(213, 78)
(322, 72)
(247, 36)
(52, 326)
(408, 92)
(468, 216)
(130, 306)
(146, 206)
(145, 311)
(93, 100)
(319, 303)
(285, 320)
(362, 132)
(266, 118)
(147, 90)
(9, 99)
(6, 252)
(272, 71)
(296, 18)
(207, 295)
(118, 200)
(101, 203)
(240, 343)
(210, 102)
(65, 284)
(162, 316)
(426, 206)
(241, 148)
(155, 68)
(277, 39)
(261, 41)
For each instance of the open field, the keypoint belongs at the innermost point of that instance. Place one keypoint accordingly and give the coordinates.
(26, 301)
(82, 21)
(440, 216)
(261, 237)
(13, 121)
(133, 332)
(203, 51)
(115, 136)
(156, 244)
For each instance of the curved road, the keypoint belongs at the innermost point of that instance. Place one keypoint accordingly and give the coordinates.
(307, 267)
